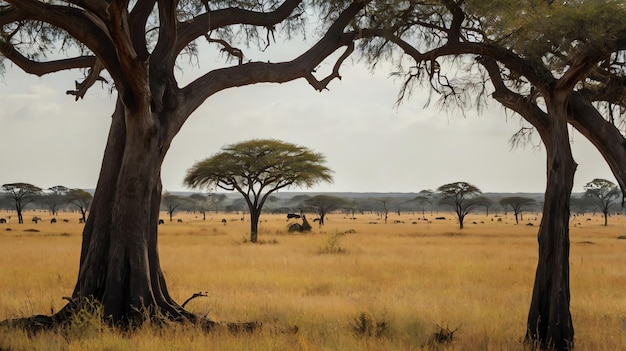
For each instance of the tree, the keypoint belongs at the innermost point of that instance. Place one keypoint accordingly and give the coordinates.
(55, 198)
(216, 201)
(549, 62)
(323, 204)
(517, 203)
(461, 196)
(172, 203)
(21, 195)
(81, 199)
(423, 199)
(604, 192)
(200, 204)
(258, 168)
(136, 46)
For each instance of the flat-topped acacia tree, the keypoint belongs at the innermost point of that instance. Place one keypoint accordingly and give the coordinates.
(258, 168)
(134, 45)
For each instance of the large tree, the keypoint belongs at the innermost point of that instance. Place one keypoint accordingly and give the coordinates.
(136, 46)
(551, 63)
(604, 192)
(21, 194)
(462, 197)
(258, 168)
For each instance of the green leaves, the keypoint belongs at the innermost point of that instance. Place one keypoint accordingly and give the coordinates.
(259, 164)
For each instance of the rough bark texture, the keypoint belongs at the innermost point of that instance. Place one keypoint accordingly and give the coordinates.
(119, 264)
(549, 320)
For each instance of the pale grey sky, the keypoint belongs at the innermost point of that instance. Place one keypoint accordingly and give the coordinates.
(372, 145)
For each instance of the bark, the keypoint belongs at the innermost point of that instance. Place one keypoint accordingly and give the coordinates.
(119, 263)
(255, 214)
(549, 320)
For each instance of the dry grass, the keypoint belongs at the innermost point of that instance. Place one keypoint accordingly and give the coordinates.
(410, 277)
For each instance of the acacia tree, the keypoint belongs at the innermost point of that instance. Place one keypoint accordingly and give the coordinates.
(604, 192)
(424, 198)
(81, 199)
(517, 203)
(55, 198)
(172, 203)
(21, 194)
(549, 62)
(258, 168)
(135, 46)
(462, 197)
(323, 204)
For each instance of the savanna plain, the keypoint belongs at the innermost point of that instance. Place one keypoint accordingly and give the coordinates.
(350, 285)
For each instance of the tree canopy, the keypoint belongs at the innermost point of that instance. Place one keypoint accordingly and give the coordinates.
(604, 193)
(21, 194)
(257, 168)
(462, 197)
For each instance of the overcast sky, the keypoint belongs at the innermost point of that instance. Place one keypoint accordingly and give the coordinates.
(371, 144)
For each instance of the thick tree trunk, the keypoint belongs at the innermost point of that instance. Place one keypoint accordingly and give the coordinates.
(549, 320)
(255, 214)
(119, 263)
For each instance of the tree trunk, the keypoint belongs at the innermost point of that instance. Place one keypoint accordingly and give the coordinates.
(255, 214)
(549, 320)
(119, 263)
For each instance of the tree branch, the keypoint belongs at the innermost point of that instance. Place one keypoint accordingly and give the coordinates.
(42, 68)
(92, 77)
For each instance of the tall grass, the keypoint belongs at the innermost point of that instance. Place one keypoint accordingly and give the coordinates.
(410, 277)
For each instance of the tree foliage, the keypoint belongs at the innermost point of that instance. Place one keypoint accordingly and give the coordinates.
(21, 195)
(256, 169)
(518, 204)
(604, 192)
(81, 199)
(462, 197)
(323, 204)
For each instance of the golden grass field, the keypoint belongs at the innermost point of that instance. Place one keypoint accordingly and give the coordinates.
(410, 276)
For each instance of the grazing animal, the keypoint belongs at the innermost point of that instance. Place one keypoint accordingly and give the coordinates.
(180, 220)
(224, 221)
(2, 220)
(161, 221)
(53, 220)
(66, 220)
(36, 219)
(293, 215)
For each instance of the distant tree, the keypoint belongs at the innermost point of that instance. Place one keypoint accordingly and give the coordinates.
(216, 201)
(517, 203)
(484, 202)
(424, 198)
(172, 203)
(323, 204)
(385, 209)
(21, 195)
(604, 192)
(55, 198)
(462, 197)
(257, 168)
(582, 204)
(199, 203)
(81, 199)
